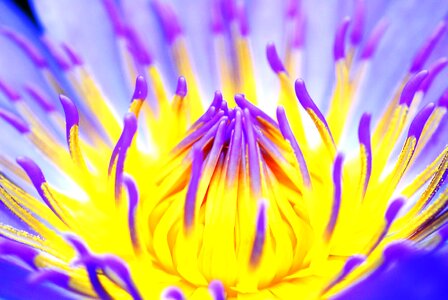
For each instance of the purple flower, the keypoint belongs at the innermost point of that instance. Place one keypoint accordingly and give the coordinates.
(269, 150)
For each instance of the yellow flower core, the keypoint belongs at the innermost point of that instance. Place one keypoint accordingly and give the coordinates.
(228, 195)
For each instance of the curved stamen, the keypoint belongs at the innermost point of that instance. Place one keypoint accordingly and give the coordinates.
(339, 42)
(337, 196)
(424, 52)
(260, 234)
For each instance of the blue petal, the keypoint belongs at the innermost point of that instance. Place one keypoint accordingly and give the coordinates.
(14, 285)
(84, 25)
(420, 276)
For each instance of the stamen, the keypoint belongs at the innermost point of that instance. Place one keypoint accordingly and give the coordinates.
(83, 252)
(365, 151)
(140, 94)
(337, 183)
(129, 130)
(137, 48)
(190, 198)
(71, 116)
(374, 39)
(14, 121)
(417, 125)
(117, 271)
(72, 55)
(273, 59)
(289, 136)
(243, 22)
(339, 42)
(216, 288)
(39, 96)
(390, 216)
(181, 89)
(260, 235)
(25, 45)
(168, 19)
(253, 154)
(173, 293)
(315, 114)
(411, 87)
(422, 55)
(56, 54)
(9, 91)
(38, 180)
(434, 70)
(133, 197)
(115, 18)
(358, 22)
(351, 263)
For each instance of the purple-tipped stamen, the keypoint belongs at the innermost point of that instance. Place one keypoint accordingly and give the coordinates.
(114, 16)
(273, 59)
(298, 40)
(337, 194)
(37, 178)
(292, 8)
(235, 146)
(358, 22)
(117, 271)
(39, 96)
(135, 46)
(9, 91)
(417, 125)
(393, 210)
(339, 42)
(24, 253)
(434, 70)
(173, 293)
(390, 216)
(260, 234)
(217, 22)
(374, 40)
(307, 103)
(424, 52)
(242, 20)
(190, 198)
(229, 9)
(351, 263)
(168, 20)
(14, 121)
(75, 59)
(286, 131)
(181, 89)
(129, 130)
(217, 291)
(141, 88)
(25, 45)
(83, 253)
(243, 103)
(253, 153)
(364, 140)
(443, 100)
(71, 115)
(62, 61)
(411, 87)
(133, 197)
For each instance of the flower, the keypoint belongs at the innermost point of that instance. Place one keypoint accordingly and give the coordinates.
(172, 198)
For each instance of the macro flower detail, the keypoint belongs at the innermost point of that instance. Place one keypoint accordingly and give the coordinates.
(226, 173)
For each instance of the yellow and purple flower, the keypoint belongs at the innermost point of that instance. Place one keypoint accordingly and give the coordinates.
(223, 178)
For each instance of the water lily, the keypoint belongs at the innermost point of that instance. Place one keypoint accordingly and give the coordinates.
(223, 150)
